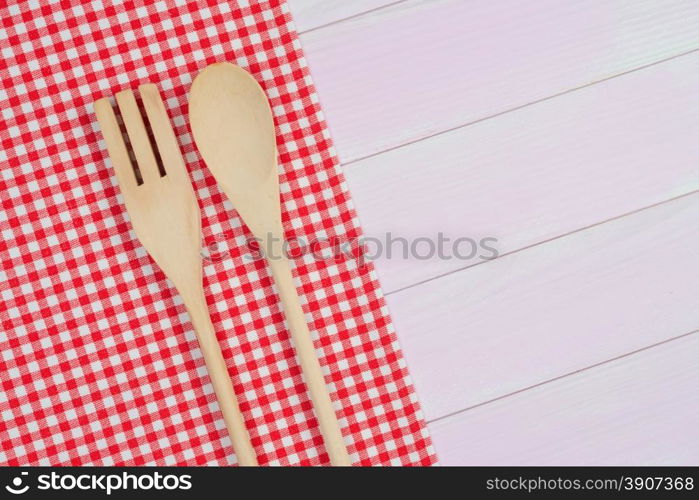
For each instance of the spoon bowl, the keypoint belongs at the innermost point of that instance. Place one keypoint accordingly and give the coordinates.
(233, 128)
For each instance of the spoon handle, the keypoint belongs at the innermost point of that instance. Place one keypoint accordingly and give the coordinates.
(312, 374)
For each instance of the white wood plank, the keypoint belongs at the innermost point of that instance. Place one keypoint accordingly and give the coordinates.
(537, 172)
(638, 410)
(310, 14)
(418, 68)
(535, 315)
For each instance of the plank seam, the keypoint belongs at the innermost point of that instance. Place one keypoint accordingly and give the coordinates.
(516, 108)
(565, 375)
(543, 242)
(353, 16)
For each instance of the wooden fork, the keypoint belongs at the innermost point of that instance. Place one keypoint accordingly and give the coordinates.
(165, 215)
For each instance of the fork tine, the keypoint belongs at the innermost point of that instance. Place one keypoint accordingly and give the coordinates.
(162, 131)
(138, 136)
(115, 144)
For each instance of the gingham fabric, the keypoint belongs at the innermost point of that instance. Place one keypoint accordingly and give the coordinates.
(98, 360)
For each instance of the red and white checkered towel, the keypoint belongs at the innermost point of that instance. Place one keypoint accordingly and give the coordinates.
(98, 361)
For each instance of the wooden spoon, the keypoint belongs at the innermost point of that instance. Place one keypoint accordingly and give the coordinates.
(233, 128)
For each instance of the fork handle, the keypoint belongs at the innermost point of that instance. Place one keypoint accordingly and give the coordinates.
(312, 373)
(220, 379)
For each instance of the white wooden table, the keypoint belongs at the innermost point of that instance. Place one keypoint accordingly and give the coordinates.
(569, 131)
